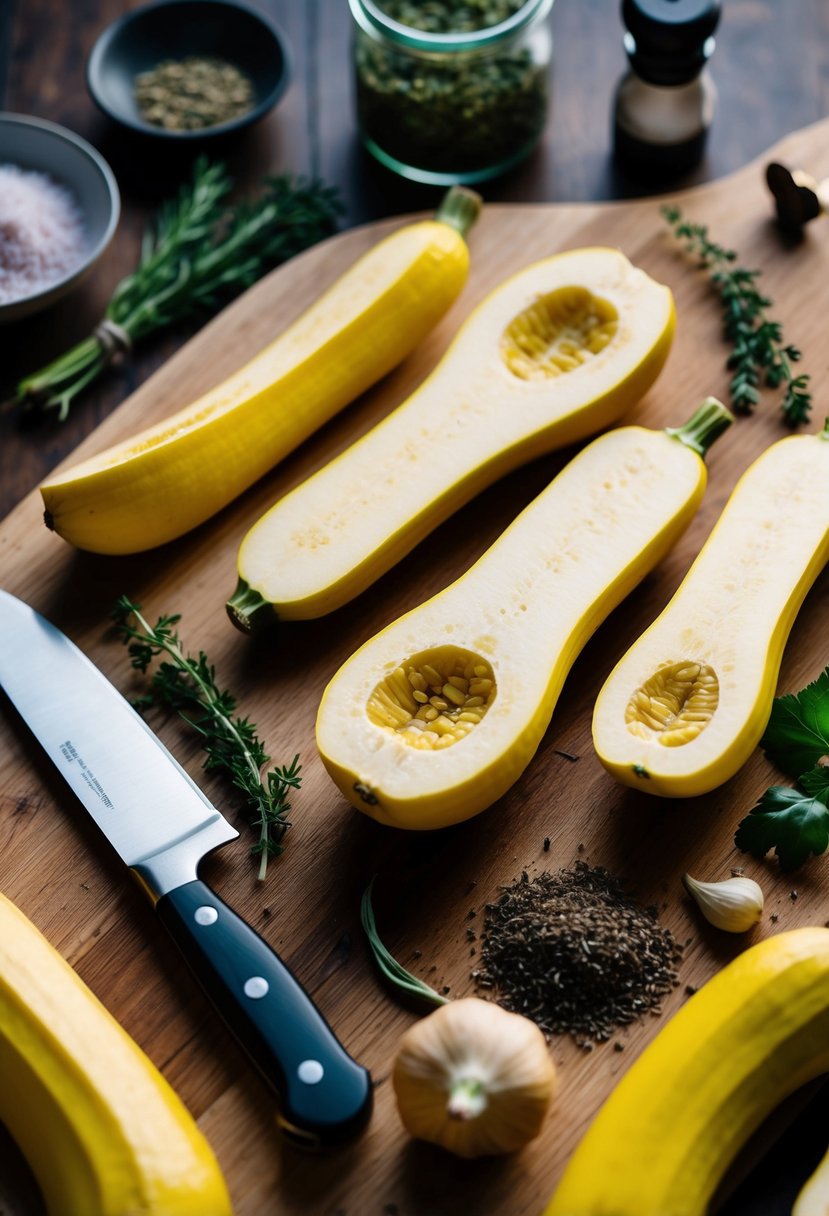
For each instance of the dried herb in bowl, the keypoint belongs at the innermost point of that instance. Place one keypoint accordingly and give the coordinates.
(193, 93)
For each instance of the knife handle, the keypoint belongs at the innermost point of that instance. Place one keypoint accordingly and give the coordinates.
(324, 1097)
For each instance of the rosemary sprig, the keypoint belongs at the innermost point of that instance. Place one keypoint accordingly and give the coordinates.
(393, 971)
(188, 686)
(758, 350)
(199, 254)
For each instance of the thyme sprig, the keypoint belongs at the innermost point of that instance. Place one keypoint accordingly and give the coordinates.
(759, 353)
(187, 685)
(198, 255)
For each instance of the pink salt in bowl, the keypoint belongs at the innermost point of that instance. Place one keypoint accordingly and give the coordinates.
(84, 180)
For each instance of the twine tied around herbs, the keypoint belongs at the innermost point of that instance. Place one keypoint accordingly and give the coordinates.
(113, 339)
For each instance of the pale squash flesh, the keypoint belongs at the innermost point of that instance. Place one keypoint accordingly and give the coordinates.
(559, 351)
(101, 1129)
(437, 716)
(664, 1138)
(813, 1199)
(687, 704)
(177, 473)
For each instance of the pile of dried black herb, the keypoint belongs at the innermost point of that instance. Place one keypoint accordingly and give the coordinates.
(574, 952)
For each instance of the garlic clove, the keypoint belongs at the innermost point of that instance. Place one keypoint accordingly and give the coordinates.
(735, 905)
(474, 1078)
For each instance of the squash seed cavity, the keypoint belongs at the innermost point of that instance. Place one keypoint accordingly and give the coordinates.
(435, 698)
(675, 704)
(558, 333)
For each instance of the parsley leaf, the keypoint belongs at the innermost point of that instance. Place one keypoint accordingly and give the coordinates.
(816, 782)
(795, 824)
(797, 735)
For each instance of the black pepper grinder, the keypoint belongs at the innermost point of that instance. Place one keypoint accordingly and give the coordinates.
(664, 105)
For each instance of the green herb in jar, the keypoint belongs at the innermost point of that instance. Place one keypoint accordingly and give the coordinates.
(459, 112)
(450, 16)
(193, 93)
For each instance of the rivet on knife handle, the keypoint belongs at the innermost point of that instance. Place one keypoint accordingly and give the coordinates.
(324, 1097)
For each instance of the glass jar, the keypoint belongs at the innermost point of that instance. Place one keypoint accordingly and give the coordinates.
(451, 107)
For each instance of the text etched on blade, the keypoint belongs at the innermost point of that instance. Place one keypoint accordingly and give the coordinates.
(70, 754)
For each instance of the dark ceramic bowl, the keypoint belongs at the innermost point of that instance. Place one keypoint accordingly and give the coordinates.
(34, 145)
(174, 29)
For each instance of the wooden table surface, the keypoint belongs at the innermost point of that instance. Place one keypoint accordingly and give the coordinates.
(771, 66)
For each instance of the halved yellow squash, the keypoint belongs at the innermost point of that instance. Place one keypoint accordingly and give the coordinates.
(666, 1135)
(169, 478)
(687, 704)
(559, 351)
(434, 718)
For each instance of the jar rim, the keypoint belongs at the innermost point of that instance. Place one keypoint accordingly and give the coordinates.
(370, 17)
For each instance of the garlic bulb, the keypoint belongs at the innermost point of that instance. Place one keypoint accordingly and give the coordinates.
(734, 905)
(473, 1078)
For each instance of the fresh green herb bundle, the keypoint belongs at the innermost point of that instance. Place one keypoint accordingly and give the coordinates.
(199, 254)
(188, 686)
(759, 353)
(794, 822)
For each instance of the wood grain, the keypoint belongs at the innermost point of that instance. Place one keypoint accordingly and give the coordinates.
(431, 887)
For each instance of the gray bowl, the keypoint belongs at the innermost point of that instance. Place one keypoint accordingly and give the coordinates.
(36, 145)
(173, 29)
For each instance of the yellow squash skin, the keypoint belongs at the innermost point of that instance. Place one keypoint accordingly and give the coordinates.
(666, 1135)
(102, 1130)
(171, 477)
(495, 400)
(521, 615)
(731, 616)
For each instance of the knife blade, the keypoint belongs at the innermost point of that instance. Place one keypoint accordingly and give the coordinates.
(162, 825)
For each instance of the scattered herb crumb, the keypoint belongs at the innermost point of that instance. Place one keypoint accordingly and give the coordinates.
(546, 844)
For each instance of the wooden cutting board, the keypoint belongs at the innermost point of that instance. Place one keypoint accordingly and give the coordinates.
(432, 887)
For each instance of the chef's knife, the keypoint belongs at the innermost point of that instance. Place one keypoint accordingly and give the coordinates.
(161, 824)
